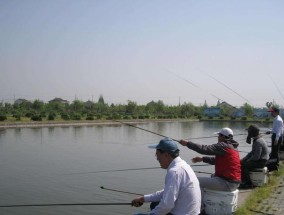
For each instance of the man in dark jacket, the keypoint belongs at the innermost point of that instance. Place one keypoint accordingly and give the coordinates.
(258, 156)
(226, 159)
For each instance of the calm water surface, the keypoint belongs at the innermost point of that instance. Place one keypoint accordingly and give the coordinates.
(62, 164)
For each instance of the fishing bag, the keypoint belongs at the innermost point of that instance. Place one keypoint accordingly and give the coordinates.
(272, 165)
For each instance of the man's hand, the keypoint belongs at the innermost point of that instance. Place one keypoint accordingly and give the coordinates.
(197, 159)
(183, 142)
(138, 201)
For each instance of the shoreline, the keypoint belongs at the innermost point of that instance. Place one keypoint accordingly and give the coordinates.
(4, 125)
(40, 124)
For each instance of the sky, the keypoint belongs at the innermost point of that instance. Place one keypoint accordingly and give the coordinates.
(176, 51)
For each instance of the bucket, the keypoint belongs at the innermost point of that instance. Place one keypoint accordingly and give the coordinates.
(281, 155)
(220, 202)
(258, 177)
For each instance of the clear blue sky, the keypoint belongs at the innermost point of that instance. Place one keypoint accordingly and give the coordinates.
(143, 50)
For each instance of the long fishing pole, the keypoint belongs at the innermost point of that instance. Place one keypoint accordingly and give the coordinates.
(229, 89)
(193, 138)
(120, 191)
(130, 169)
(225, 86)
(144, 130)
(62, 204)
(193, 84)
(277, 87)
(203, 172)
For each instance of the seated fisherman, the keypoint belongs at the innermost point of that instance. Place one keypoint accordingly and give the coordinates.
(257, 158)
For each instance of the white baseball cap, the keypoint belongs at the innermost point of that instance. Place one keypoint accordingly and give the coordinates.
(227, 132)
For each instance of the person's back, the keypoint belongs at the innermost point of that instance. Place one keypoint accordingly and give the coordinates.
(189, 189)
(260, 150)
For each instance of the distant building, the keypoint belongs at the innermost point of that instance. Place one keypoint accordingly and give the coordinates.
(238, 113)
(88, 104)
(20, 101)
(261, 113)
(59, 100)
(212, 111)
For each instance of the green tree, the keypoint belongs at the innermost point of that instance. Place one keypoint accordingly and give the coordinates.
(248, 110)
(38, 105)
(131, 108)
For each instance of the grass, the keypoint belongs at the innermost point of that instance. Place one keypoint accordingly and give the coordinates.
(260, 193)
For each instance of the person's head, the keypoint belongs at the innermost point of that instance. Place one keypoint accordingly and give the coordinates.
(225, 134)
(253, 132)
(166, 151)
(274, 111)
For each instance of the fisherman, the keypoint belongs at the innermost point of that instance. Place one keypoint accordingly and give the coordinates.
(181, 193)
(257, 158)
(226, 159)
(276, 137)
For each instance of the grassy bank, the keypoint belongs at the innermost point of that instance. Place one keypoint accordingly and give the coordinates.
(260, 193)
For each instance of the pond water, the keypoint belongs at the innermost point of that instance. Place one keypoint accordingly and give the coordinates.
(57, 165)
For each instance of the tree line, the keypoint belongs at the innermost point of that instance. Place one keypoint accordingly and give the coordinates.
(79, 110)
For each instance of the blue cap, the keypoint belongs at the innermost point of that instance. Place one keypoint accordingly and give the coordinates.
(166, 145)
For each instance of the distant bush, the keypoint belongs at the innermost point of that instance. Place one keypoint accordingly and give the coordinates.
(36, 118)
(90, 117)
(17, 116)
(75, 116)
(51, 116)
(127, 117)
(29, 114)
(3, 117)
(99, 116)
(65, 116)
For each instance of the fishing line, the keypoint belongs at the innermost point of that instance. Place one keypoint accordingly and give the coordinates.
(63, 204)
(120, 191)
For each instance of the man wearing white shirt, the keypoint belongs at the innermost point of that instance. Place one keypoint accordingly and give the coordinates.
(181, 193)
(277, 133)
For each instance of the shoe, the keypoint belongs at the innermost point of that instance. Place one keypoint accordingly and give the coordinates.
(244, 186)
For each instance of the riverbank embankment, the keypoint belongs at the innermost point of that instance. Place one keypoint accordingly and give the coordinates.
(35, 124)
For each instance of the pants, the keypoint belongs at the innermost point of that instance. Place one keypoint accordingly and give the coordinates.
(217, 183)
(154, 204)
(275, 148)
(247, 166)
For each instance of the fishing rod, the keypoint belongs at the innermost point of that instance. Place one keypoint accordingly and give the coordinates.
(120, 191)
(277, 87)
(203, 172)
(193, 138)
(124, 123)
(193, 84)
(131, 169)
(225, 86)
(248, 102)
(62, 204)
